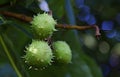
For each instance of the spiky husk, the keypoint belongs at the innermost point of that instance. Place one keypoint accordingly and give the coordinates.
(38, 54)
(62, 52)
(43, 25)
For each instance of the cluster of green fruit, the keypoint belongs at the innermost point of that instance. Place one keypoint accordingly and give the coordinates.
(39, 53)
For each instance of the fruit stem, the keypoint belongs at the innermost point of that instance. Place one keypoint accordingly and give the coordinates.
(9, 57)
(64, 26)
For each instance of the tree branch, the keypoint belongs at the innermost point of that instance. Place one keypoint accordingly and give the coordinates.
(18, 16)
(65, 26)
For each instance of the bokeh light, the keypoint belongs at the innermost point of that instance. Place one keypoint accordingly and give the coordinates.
(44, 6)
(104, 47)
(84, 13)
(114, 60)
(91, 20)
(116, 49)
(111, 33)
(107, 25)
(89, 41)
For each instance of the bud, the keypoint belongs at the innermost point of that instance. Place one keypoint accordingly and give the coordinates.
(62, 52)
(38, 54)
(43, 25)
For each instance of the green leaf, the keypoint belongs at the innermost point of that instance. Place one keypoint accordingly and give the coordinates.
(94, 68)
(14, 57)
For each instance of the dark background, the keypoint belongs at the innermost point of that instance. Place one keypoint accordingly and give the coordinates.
(92, 57)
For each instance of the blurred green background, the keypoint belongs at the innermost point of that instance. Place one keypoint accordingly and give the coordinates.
(91, 57)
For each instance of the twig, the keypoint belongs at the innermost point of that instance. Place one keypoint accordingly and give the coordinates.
(9, 57)
(18, 16)
(65, 26)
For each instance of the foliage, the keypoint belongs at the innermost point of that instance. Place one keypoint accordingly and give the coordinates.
(91, 57)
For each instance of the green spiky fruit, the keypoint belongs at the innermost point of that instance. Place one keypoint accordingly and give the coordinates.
(62, 52)
(38, 54)
(43, 25)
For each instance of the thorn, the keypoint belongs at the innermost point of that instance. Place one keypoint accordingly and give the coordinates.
(30, 67)
(43, 67)
(23, 57)
(53, 57)
(24, 51)
(26, 61)
(26, 47)
(55, 30)
(51, 61)
(50, 64)
(36, 69)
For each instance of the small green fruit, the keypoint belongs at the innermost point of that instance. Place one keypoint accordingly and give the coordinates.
(62, 52)
(38, 54)
(43, 25)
